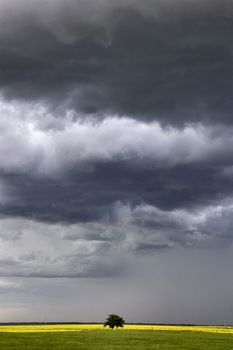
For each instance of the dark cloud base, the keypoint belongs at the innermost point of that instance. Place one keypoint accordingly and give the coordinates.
(83, 197)
(175, 68)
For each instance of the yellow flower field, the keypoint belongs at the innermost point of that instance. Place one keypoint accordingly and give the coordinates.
(83, 327)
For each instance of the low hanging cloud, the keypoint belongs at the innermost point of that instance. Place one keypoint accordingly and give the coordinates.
(104, 248)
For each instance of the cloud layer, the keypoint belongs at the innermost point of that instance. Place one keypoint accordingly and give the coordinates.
(116, 142)
(157, 60)
(104, 249)
(118, 186)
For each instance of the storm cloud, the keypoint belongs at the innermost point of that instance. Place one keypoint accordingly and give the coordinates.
(161, 60)
(116, 147)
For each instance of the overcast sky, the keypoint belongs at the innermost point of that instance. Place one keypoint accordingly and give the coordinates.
(116, 160)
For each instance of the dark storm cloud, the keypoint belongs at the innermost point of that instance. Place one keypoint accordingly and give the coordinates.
(79, 203)
(159, 60)
(116, 160)
(80, 195)
(85, 197)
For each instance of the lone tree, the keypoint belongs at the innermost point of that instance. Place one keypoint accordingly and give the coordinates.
(114, 320)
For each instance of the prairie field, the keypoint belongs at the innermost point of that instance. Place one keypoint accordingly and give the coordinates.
(95, 337)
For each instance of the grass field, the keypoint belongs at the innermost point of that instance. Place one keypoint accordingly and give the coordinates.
(93, 337)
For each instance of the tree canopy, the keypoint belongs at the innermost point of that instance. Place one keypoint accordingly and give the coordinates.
(114, 320)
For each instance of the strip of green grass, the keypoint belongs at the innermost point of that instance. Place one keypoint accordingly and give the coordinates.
(105, 340)
(126, 340)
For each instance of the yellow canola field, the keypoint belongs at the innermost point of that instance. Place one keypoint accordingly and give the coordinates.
(83, 327)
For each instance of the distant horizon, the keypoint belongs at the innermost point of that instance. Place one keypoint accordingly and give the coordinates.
(126, 323)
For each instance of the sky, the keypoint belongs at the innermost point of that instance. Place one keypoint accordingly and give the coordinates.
(116, 160)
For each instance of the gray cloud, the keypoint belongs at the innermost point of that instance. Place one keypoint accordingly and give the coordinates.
(104, 249)
(33, 142)
(88, 209)
(86, 197)
(116, 154)
(153, 60)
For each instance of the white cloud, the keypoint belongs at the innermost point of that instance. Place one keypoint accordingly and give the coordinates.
(31, 143)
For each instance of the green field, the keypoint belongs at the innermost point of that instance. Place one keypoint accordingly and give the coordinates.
(120, 340)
